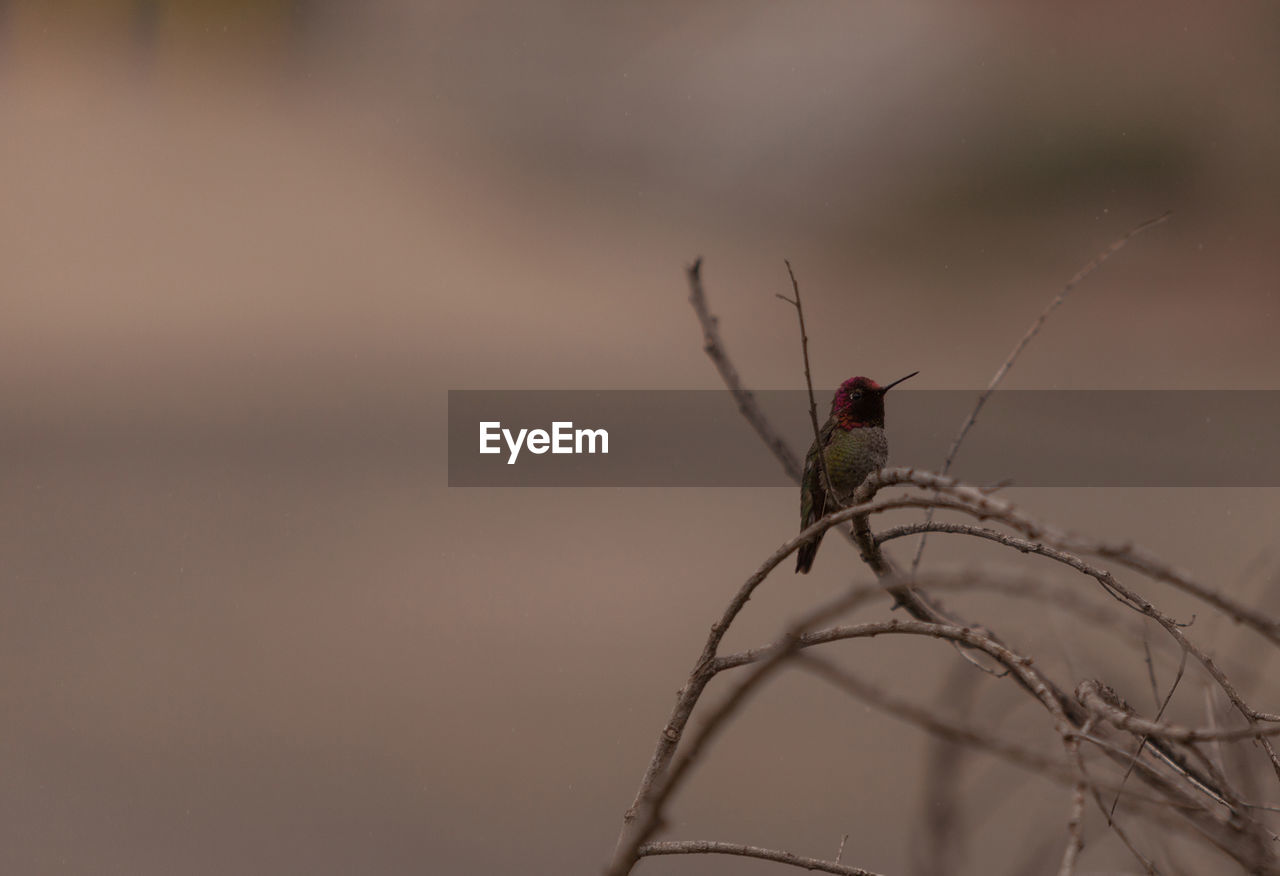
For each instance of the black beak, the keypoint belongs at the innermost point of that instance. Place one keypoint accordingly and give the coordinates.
(899, 380)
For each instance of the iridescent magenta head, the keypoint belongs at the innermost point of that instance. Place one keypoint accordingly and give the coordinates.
(860, 402)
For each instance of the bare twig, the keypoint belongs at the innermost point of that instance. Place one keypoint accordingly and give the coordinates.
(1211, 829)
(1151, 668)
(813, 405)
(974, 502)
(746, 400)
(665, 773)
(1182, 666)
(1075, 821)
(875, 559)
(945, 728)
(950, 729)
(1023, 586)
(1026, 339)
(647, 813)
(1037, 684)
(1083, 771)
(1215, 748)
(1022, 545)
(977, 503)
(646, 816)
(689, 695)
(1075, 831)
(1091, 695)
(1219, 833)
(706, 847)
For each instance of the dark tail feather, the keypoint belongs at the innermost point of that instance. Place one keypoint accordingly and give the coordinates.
(805, 555)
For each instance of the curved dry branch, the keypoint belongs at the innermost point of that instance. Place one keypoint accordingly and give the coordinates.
(949, 729)
(1236, 836)
(1112, 824)
(983, 506)
(978, 739)
(708, 847)
(1228, 835)
(1022, 545)
(746, 400)
(1093, 696)
(646, 814)
(705, 668)
(954, 495)
(1037, 684)
(1026, 339)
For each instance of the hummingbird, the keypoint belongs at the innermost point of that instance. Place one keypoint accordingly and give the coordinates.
(853, 445)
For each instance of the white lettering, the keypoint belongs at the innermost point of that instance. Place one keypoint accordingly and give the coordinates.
(489, 432)
(560, 437)
(514, 445)
(541, 439)
(591, 435)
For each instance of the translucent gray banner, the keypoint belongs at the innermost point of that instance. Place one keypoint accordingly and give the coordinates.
(697, 438)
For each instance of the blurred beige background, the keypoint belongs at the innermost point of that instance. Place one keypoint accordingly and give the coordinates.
(247, 247)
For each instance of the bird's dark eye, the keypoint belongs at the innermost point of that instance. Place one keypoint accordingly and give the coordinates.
(857, 393)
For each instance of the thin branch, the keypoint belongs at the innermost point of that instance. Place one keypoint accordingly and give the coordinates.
(746, 400)
(977, 503)
(1171, 761)
(1026, 339)
(1023, 587)
(1220, 834)
(1075, 821)
(950, 729)
(707, 847)
(1215, 747)
(1182, 666)
(955, 731)
(813, 405)
(1022, 545)
(1215, 831)
(646, 815)
(704, 669)
(875, 559)
(1151, 668)
(1021, 666)
(1091, 694)
(1146, 862)
(1212, 829)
